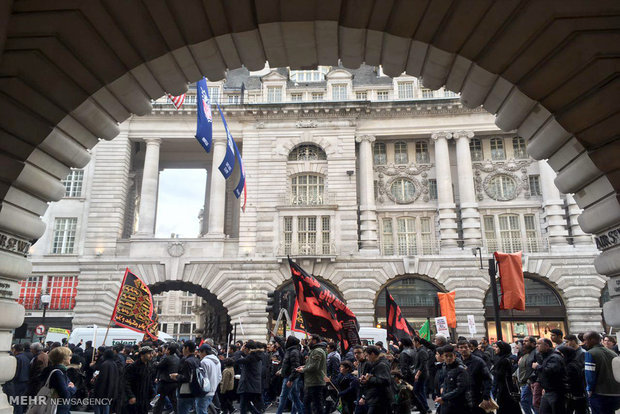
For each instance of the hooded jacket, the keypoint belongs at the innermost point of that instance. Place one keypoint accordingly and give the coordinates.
(456, 394)
(315, 369)
(378, 389)
(292, 359)
(214, 371)
(575, 380)
(250, 367)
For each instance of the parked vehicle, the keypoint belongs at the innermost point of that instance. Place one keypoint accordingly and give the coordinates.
(115, 336)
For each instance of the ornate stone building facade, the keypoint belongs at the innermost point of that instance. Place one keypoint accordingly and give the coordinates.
(368, 181)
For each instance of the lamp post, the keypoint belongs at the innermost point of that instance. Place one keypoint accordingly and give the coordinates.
(45, 301)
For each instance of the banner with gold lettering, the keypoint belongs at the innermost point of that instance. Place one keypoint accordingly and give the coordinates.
(134, 306)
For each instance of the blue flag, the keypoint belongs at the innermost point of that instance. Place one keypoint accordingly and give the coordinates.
(241, 185)
(204, 126)
(228, 164)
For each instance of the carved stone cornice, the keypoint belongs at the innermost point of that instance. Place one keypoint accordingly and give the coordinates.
(368, 138)
(441, 135)
(386, 175)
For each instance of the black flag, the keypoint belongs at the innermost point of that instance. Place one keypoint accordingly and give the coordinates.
(323, 313)
(397, 325)
(134, 306)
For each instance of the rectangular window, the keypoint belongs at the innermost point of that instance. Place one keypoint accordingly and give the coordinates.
(388, 237)
(339, 92)
(317, 96)
(380, 153)
(531, 235)
(306, 235)
(325, 228)
(450, 94)
(497, 149)
(63, 290)
(361, 96)
(534, 181)
(175, 328)
(64, 235)
(405, 90)
(214, 94)
(233, 99)
(288, 234)
(30, 292)
(158, 305)
(426, 235)
(297, 97)
(421, 153)
(510, 233)
(489, 233)
(406, 236)
(475, 148)
(427, 93)
(400, 153)
(186, 307)
(383, 95)
(73, 183)
(164, 327)
(274, 94)
(186, 329)
(432, 189)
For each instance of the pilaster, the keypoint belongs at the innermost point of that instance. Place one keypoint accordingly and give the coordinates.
(148, 192)
(553, 206)
(368, 209)
(445, 197)
(470, 216)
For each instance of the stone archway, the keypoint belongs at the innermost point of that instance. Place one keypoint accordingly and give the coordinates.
(546, 69)
(212, 319)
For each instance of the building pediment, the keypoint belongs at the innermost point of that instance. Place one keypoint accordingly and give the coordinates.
(340, 74)
(273, 76)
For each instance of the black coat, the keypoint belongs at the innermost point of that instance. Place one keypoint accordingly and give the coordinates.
(250, 367)
(378, 390)
(292, 359)
(551, 372)
(421, 363)
(108, 380)
(456, 395)
(503, 384)
(480, 380)
(187, 367)
(406, 364)
(139, 383)
(169, 364)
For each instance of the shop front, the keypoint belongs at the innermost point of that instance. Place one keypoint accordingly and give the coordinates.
(544, 311)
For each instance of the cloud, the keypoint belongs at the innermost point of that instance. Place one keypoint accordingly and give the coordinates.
(181, 196)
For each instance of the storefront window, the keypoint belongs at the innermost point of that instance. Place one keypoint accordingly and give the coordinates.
(513, 330)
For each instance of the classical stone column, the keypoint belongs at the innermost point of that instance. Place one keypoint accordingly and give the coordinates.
(579, 237)
(445, 197)
(467, 193)
(368, 209)
(553, 206)
(148, 193)
(217, 194)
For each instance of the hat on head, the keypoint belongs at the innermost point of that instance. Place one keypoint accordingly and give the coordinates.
(145, 349)
(205, 348)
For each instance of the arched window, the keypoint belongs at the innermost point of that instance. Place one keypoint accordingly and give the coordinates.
(400, 153)
(380, 153)
(502, 188)
(307, 152)
(307, 190)
(415, 297)
(475, 148)
(421, 152)
(497, 149)
(518, 147)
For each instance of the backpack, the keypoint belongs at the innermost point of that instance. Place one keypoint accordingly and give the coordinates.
(199, 385)
(45, 393)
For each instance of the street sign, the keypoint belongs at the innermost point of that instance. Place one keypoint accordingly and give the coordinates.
(40, 330)
(441, 324)
(472, 324)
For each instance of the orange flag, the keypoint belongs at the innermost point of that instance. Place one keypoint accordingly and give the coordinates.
(511, 280)
(446, 302)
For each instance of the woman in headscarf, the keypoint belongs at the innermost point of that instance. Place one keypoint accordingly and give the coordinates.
(502, 380)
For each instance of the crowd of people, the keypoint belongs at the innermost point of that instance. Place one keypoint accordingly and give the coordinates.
(565, 374)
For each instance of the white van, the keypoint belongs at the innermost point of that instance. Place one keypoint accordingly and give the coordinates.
(115, 336)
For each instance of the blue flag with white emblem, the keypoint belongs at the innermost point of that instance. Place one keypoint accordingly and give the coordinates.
(228, 164)
(204, 126)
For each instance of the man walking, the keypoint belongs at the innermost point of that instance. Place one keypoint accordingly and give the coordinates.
(212, 367)
(603, 389)
(187, 369)
(479, 376)
(420, 372)
(551, 373)
(315, 372)
(290, 377)
(528, 357)
(139, 382)
(376, 383)
(167, 387)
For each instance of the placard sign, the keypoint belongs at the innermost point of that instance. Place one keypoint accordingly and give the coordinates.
(472, 324)
(441, 323)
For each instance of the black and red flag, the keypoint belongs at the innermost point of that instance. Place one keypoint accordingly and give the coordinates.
(323, 313)
(397, 325)
(134, 307)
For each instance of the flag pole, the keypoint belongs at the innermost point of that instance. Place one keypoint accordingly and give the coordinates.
(115, 304)
(498, 321)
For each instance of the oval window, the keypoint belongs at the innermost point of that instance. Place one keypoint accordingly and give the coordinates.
(502, 188)
(403, 190)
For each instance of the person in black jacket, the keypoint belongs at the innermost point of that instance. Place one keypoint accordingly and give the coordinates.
(348, 386)
(169, 364)
(406, 360)
(376, 383)
(479, 376)
(551, 373)
(139, 382)
(575, 381)
(22, 373)
(455, 398)
(504, 387)
(290, 377)
(420, 373)
(187, 368)
(106, 382)
(250, 387)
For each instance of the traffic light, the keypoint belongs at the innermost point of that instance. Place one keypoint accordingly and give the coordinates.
(273, 303)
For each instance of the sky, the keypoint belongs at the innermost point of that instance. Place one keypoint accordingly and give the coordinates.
(181, 196)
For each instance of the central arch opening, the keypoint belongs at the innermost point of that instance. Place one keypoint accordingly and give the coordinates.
(194, 314)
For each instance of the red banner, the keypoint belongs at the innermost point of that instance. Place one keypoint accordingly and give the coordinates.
(448, 309)
(511, 280)
(397, 325)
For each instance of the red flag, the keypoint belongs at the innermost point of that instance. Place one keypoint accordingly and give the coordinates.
(134, 306)
(511, 280)
(323, 313)
(397, 325)
(177, 101)
(448, 309)
(297, 322)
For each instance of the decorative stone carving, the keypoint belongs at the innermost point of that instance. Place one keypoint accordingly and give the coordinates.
(306, 124)
(369, 138)
(514, 177)
(176, 249)
(493, 168)
(394, 172)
